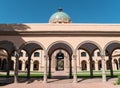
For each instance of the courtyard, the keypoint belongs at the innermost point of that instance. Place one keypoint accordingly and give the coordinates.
(60, 79)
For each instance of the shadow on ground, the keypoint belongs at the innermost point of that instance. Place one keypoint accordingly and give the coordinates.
(6, 81)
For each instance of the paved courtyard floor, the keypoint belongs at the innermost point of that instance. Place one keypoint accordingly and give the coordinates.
(62, 82)
(65, 83)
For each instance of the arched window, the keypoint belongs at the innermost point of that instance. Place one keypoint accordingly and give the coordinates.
(83, 54)
(60, 55)
(36, 65)
(36, 54)
(98, 53)
(84, 65)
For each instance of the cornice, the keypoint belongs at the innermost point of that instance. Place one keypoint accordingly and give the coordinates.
(60, 33)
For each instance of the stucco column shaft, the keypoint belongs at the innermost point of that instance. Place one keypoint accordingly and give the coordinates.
(31, 67)
(45, 69)
(14, 64)
(88, 66)
(74, 69)
(96, 65)
(23, 66)
(103, 69)
(16, 68)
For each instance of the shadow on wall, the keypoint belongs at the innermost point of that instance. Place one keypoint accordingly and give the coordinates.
(13, 27)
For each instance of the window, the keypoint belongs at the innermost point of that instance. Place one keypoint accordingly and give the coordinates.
(98, 53)
(36, 54)
(60, 55)
(83, 54)
(21, 54)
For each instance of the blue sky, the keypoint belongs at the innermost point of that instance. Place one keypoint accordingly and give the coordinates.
(39, 11)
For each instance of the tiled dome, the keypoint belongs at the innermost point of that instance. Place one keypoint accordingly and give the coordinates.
(60, 17)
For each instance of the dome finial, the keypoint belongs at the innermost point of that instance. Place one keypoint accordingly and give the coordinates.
(60, 9)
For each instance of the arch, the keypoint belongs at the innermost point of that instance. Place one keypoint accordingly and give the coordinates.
(8, 46)
(111, 46)
(108, 50)
(60, 45)
(31, 46)
(36, 65)
(84, 64)
(86, 43)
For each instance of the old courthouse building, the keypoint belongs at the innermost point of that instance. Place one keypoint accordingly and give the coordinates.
(60, 45)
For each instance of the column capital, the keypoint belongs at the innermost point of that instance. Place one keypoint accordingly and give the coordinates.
(74, 56)
(45, 56)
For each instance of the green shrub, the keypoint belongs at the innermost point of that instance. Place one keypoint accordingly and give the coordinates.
(118, 80)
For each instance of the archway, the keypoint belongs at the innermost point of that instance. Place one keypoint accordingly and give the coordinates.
(6, 49)
(30, 47)
(109, 49)
(36, 65)
(55, 49)
(59, 61)
(89, 47)
(84, 65)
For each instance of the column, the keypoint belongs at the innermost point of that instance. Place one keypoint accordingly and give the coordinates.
(88, 65)
(103, 69)
(16, 68)
(14, 63)
(31, 67)
(23, 66)
(74, 69)
(96, 65)
(45, 69)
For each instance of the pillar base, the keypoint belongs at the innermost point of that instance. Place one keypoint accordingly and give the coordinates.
(44, 81)
(74, 82)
